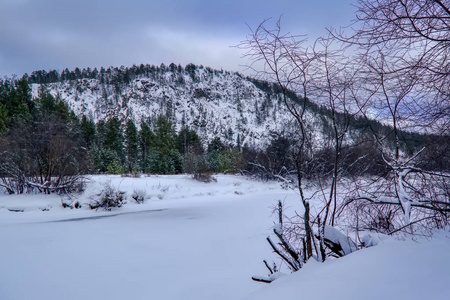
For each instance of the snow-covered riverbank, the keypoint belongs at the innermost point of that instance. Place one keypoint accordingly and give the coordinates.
(191, 240)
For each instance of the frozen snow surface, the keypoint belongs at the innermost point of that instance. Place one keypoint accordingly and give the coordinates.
(390, 270)
(192, 240)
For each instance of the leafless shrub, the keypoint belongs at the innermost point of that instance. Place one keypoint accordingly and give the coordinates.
(70, 203)
(292, 247)
(414, 202)
(108, 198)
(134, 174)
(16, 181)
(204, 176)
(259, 172)
(41, 157)
(139, 196)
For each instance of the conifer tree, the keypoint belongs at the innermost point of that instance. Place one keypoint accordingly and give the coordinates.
(131, 145)
(164, 135)
(114, 138)
(88, 130)
(164, 157)
(188, 141)
(17, 101)
(3, 119)
(146, 138)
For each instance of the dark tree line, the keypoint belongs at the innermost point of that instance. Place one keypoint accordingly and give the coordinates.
(40, 143)
(42, 140)
(154, 148)
(45, 147)
(116, 75)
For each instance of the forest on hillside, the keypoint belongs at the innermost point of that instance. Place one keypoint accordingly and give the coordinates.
(45, 146)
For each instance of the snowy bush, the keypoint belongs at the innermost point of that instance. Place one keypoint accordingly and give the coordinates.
(407, 201)
(70, 204)
(291, 246)
(108, 198)
(204, 177)
(133, 174)
(139, 196)
(370, 239)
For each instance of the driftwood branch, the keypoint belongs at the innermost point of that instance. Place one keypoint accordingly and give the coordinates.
(263, 279)
(282, 255)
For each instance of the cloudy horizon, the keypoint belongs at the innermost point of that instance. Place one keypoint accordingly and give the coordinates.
(52, 34)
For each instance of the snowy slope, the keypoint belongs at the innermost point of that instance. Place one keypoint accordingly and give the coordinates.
(399, 270)
(214, 103)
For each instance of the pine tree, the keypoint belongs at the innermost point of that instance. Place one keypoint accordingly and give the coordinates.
(238, 143)
(88, 130)
(4, 95)
(102, 156)
(3, 119)
(216, 145)
(114, 138)
(164, 149)
(17, 101)
(164, 135)
(146, 140)
(131, 145)
(188, 141)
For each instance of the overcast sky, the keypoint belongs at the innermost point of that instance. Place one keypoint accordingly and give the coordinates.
(58, 34)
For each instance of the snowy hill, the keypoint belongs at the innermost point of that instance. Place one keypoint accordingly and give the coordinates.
(213, 103)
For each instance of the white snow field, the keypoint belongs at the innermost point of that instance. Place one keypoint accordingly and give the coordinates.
(192, 240)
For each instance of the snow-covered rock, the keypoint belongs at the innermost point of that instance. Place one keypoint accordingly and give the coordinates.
(335, 237)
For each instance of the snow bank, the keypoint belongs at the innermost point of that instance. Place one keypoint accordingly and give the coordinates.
(391, 270)
(338, 238)
(192, 240)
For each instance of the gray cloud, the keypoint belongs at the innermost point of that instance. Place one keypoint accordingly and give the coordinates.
(55, 34)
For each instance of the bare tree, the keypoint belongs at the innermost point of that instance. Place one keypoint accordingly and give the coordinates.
(415, 37)
(42, 157)
(323, 73)
(398, 73)
(289, 64)
(403, 46)
(336, 86)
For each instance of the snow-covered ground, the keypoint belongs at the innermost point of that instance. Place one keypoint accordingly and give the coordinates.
(391, 270)
(191, 240)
